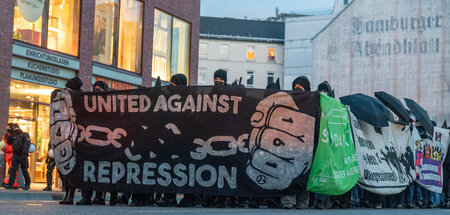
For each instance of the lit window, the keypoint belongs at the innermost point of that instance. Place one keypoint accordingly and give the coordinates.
(203, 50)
(250, 79)
(61, 33)
(271, 54)
(250, 53)
(223, 51)
(118, 37)
(270, 77)
(171, 39)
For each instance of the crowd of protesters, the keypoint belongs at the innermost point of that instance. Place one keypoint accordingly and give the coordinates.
(414, 196)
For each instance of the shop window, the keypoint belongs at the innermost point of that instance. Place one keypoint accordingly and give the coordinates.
(223, 51)
(171, 46)
(29, 107)
(271, 54)
(118, 33)
(55, 26)
(203, 50)
(270, 77)
(250, 79)
(115, 85)
(250, 53)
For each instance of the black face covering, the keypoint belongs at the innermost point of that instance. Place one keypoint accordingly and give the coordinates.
(219, 83)
(9, 131)
(97, 90)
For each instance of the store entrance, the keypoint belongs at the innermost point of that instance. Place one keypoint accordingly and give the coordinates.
(29, 107)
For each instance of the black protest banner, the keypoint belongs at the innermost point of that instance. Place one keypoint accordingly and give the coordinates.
(208, 140)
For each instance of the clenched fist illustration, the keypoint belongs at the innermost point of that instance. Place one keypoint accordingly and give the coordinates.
(63, 131)
(281, 142)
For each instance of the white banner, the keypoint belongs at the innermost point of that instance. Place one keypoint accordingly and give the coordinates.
(386, 159)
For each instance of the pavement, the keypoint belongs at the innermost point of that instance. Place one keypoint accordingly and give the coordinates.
(36, 201)
(35, 193)
(47, 207)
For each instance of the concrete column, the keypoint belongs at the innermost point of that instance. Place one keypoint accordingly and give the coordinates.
(147, 43)
(6, 44)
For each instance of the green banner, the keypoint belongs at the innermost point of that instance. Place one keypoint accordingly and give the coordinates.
(335, 167)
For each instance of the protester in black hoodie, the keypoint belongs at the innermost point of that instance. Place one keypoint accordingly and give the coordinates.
(20, 142)
(73, 84)
(99, 86)
(170, 199)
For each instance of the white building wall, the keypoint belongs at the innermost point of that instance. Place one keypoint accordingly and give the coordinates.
(298, 46)
(409, 61)
(237, 64)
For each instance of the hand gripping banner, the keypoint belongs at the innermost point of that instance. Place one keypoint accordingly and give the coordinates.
(222, 140)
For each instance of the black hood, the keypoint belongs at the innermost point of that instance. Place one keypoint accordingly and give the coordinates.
(179, 80)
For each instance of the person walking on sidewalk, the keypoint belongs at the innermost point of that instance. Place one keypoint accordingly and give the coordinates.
(20, 143)
(8, 155)
(50, 167)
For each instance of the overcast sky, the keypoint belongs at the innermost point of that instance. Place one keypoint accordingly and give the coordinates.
(257, 8)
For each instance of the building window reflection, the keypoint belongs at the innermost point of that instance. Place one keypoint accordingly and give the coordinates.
(55, 27)
(171, 46)
(118, 33)
(29, 107)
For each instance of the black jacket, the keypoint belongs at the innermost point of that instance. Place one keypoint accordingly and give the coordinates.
(21, 144)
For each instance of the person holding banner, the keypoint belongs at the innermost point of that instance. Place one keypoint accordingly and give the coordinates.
(73, 84)
(170, 199)
(297, 200)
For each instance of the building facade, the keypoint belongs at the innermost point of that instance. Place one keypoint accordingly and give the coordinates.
(123, 42)
(401, 47)
(301, 27)
(248, 49)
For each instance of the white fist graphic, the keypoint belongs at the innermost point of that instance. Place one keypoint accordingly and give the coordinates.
(281, 142)
(63, 131)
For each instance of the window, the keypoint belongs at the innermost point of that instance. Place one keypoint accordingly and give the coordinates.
(270, 77)
(271, 54)
(345, 2)
(251, 53)
(118, 33)
(223, 51)
(250, 79)
(171, 46)
(202, 76)
(116, 85)
(55, 27)
(29, 107)
(203, 50)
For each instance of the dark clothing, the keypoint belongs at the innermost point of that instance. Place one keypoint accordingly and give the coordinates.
(69, 188)
(222, 74)
(100, 84)
(74, 84)
(179, 80)
(50, 167)
(23, 164)
(21, 145)
(302, 81)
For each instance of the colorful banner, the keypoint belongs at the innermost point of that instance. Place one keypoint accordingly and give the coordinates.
(385, 157)
(204, 140)
(335, 167)
(430, 155)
